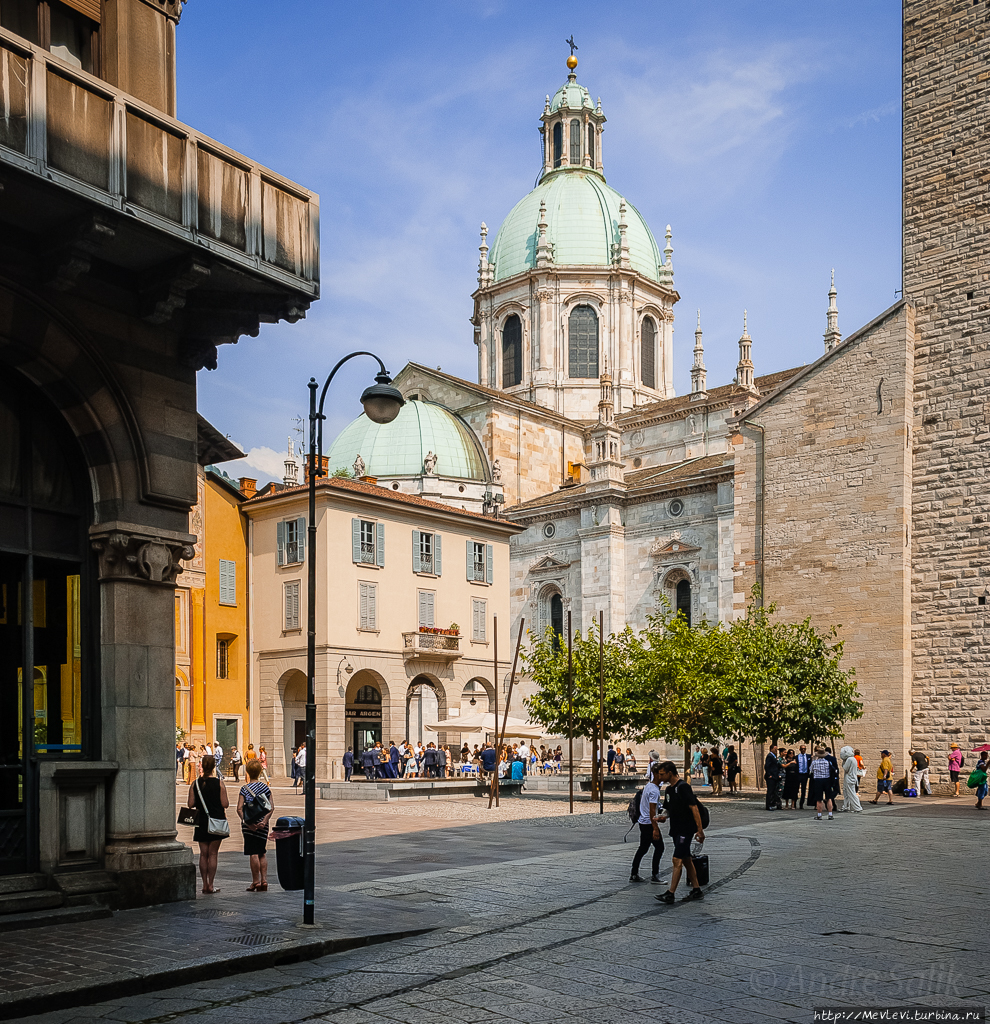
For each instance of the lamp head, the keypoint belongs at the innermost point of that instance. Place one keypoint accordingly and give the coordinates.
(381, 401)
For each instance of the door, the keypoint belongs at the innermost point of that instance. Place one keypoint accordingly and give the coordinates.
(226, 730)
(366, 736)
(298, 733)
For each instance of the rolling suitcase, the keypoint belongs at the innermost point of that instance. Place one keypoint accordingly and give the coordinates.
(701, 868)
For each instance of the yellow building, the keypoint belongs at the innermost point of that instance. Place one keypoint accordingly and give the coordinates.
(212, 682)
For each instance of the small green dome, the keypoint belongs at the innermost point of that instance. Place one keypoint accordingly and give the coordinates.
(399, 448)
(577, 96)
(582, 227)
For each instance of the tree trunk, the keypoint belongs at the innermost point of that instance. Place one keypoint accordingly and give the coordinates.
(687, 760)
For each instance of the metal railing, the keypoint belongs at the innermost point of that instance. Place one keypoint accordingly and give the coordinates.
(434, 644)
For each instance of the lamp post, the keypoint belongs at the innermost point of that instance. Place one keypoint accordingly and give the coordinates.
(381, 402)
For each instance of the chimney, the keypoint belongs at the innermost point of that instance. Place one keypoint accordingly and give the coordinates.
(248, 487)
(324, 462)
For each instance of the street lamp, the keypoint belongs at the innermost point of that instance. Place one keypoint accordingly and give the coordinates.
(381, 402)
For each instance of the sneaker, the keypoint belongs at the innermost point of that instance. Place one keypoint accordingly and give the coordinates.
(636, 878)
(666, 897)
(818, 817)
(829, 815)
(659, 880)
(694, 894)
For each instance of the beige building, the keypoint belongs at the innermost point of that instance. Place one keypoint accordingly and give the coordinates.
(408, 593)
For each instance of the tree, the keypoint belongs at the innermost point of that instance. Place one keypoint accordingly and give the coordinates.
(545, 662)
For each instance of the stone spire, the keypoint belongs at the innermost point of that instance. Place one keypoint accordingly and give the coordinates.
(666, 269)
(744, 368)
(832, 335)
(291, 477)
(485, 275)
(698, 372)
(606, 406)
(622, 249)
(544, 251)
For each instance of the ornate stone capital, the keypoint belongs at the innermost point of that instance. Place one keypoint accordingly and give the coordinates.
(137, 553)
(544, 295)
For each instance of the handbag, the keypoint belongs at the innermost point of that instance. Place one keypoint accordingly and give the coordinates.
(219, 827)
(188, 816)
(256, 809)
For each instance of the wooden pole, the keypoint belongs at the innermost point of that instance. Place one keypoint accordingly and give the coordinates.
(570, 712)
(601, 711)
(508, 698)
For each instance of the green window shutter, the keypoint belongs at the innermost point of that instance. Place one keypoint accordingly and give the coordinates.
(436, 554)
(489, 563)
(426, 608)
(380, 545)
(470, 559)
(363, 605)
(356, 540)
(228, 582)
(417, 567)
(301, 537)
(280, 538)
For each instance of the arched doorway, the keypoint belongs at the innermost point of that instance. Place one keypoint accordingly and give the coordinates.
(292, 692)
(45, 509)
(425, 702)
(365, 702)
(477, 697)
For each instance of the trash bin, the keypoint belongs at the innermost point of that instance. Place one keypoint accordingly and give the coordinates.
(288, 836)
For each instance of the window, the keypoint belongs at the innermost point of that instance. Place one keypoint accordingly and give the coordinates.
(292, 605)
(512, 352)
(426, 552)
(427, 608)
(228, 582)
(575, 158)
(480, 558)
(67, 30)
(367, 695)
(291, 537)
(223, 658)
(684, 600)
(557, 619)
(591, 144)
(582, 338)
(71, 36)
(368, 605)
(558, 144)
(479, 610)
(648, 348)
(368, 542)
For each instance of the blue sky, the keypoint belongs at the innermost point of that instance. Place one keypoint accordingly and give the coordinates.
(766, 133)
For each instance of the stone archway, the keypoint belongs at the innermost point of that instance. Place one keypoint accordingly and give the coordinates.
(426, 701)
(366, 719)
(678, 587)
(482, 692)
(292, 701)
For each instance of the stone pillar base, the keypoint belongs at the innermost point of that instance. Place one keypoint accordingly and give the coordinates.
(150, 870)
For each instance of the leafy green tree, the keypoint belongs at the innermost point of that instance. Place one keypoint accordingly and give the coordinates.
(342, 472)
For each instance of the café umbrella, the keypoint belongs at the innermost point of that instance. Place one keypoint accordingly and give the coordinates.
(484, 722)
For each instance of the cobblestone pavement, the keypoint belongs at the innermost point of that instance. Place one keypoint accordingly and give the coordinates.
(881, 909)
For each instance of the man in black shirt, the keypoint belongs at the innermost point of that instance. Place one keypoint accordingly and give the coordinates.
(771, 776)
(680, 807)
(920, 766)
(804, 762)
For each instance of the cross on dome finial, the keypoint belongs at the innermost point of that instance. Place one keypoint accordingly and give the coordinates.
(572, 61)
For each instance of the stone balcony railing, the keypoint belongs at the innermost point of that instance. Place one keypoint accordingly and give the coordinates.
(431, 645)
(80, 133)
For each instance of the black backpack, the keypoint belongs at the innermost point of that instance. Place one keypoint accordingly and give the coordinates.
(632, 809)
(702, 810)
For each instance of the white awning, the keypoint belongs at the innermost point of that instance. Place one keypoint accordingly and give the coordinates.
(515, 728)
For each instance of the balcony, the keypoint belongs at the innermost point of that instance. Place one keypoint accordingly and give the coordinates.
(195, 225)
(431, 645)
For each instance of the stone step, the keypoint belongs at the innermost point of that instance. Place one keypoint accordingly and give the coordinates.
(28, 902)
(22, 883)
(83, 883)
(56, 915)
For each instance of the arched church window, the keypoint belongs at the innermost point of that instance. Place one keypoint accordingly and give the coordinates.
(648, 345)
(557, 620)
(575, 158)
(512, 352)
(591, 144)
(684, 600)
(558, 144)
(582, 342)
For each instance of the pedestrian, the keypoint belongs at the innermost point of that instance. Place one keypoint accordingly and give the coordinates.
(254, 808)
(680, 808)
(348, 762)
(980, 771)
(834, 777)
(394, 759)
(430, 761)
(368, 763)
(235, 763)
(818, 791)
(630, 761)
(885, 777)
(862, 767)
(771, 777)
(620, 762)
(263, 758)
(250, 754)
(920, 768)
(294, 770)
(803, 764)
(705, 761)
(408, 760)
(716, 766)
(956, 760)
(301, 764)
(442, 763)
(489, 760)
(179, 758)
(850, 778)
(217, 752)
(695, 762)
(610, 759)
(649, 830)
(732, 763)
(791, 782)
(210, 795)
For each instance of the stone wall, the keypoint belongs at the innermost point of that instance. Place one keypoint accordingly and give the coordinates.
(946, 248)
(835, 486)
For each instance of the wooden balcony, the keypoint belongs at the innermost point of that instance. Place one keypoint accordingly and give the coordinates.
(431, 645)
(83, 163)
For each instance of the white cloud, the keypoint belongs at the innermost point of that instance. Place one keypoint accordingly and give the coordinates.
(267, 462)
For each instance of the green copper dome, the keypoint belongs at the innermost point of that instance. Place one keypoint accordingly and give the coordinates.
(577, 96)
(399, 448)
(582, 227)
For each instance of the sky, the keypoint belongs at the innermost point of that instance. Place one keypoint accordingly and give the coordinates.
(767, 134)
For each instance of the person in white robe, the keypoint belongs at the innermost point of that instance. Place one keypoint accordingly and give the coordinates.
(850, 776)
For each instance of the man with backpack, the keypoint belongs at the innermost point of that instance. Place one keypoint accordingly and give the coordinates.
(685, 813)
(649, 827)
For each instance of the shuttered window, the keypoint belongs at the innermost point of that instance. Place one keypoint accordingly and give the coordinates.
(228, 582)
(648, 347)
(292, 605)
(478, 619)
(291, 541)
(582, 342)
(368, 605)
(427, 552)
(368, 542)
(427, 608)
(479, 562)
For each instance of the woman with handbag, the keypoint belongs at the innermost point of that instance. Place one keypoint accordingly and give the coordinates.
(209, 795)
(254, 808)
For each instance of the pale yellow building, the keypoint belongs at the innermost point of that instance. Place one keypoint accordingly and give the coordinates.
(408, 592)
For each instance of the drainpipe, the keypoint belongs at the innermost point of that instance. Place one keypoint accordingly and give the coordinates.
(760, 518)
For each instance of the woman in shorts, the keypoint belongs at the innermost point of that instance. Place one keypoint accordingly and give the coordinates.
(254, 829)
(955, 765)
(885, 777)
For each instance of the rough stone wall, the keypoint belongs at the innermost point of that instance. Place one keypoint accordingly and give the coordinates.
(836, 511)
(947, 277)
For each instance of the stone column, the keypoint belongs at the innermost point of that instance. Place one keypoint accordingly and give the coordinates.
(545, 346)
(138, 567)
(626, 376)
(483, 348)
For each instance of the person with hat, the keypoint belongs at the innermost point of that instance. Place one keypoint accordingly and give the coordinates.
(920, 767)
(885, 777)
(956, 760)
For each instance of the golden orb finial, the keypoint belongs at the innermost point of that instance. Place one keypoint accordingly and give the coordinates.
(572, 62)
